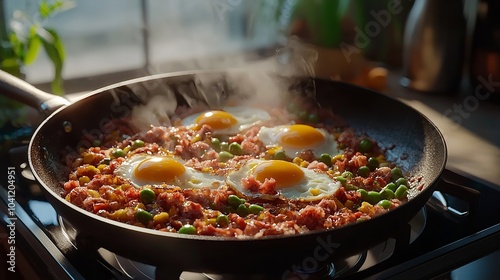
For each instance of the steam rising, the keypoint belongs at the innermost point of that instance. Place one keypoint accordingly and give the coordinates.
(243, 83)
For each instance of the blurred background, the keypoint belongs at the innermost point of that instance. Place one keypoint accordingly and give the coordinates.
(108, 41)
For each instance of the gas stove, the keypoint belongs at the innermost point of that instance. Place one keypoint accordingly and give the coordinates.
(457, 231)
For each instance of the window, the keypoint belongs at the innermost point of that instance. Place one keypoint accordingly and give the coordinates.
(150, 36)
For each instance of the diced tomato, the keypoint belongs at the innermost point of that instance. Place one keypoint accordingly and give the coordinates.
(101, 206)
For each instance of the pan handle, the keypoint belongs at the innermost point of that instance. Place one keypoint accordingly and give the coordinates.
(21, 91)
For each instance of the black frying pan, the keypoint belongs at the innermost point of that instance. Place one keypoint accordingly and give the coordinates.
(390, 122)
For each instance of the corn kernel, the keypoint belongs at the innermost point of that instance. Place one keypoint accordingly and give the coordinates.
(161, 217)
(88, 158)
(212, 221)
(304, 164)
(297, 160)
(125, 187)
(314, 192)
(141, 206)
(83, 180)
(339, 157)
(92, 169)
(101, 167)
(124, 215)
(93, 193)
(196, 138)
(367, 208)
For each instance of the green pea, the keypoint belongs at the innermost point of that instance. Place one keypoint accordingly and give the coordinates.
(401, 192)
(401, 181)
(222, 220)
(234, 200)
(365, 145)
(364, 194)
(396, 173)
(347, 174)
(373, 163)
(373, 197)
(242, 210)
(143, 216)
(386, 204)
(279, 155)
(363, 171)
(96, 143)
(342, 180)
(255, 209)
(147, 196)
(235, 149)
(391, 186)
(326, 159)
(187, 229)
(215, 142)
(225, 156)
(137, 144)
(118, 153)
(351, 187)
(313, 118)
(387, 193)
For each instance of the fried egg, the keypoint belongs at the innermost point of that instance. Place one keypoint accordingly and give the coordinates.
(144, 169)
(292, 181)
(229, 120)
(298, 137)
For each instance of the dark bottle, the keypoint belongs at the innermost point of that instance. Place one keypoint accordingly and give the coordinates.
(485, 58)
(434, 43)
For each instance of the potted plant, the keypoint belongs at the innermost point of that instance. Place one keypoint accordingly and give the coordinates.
(20, 46)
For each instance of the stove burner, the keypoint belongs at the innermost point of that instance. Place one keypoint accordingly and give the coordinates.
(359, 262)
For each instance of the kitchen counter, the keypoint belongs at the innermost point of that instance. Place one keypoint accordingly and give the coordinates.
(469, 125)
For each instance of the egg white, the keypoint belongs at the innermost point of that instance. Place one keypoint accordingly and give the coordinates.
(271, 137)
(246, 117)
(314, 186)
(191, 178)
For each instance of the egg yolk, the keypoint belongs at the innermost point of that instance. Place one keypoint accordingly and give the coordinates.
(159, 170)
(300, 135)
(285, 173)
(216, 119)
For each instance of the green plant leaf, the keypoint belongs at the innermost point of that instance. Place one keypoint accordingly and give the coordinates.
(47, 9)
(33, 46)
(55, 50)
(44, 9)
(17, 46)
